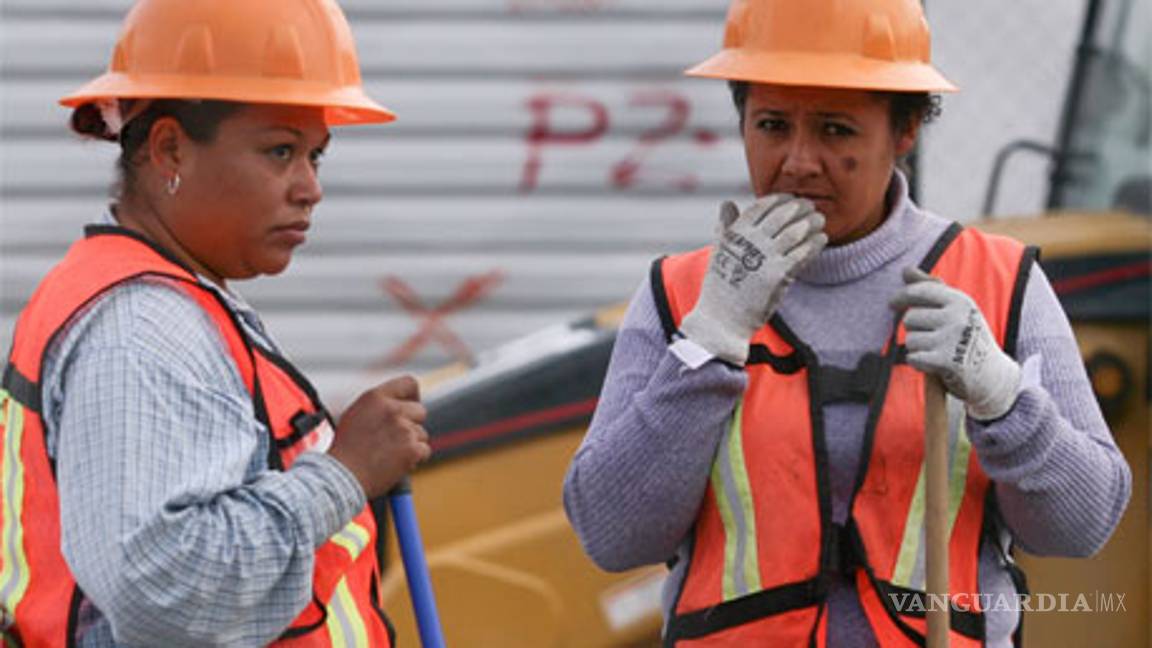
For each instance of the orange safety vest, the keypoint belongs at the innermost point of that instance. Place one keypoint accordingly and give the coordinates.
(35, 583)
(764, 546)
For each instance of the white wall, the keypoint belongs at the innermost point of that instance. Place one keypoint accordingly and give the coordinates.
(456, 188)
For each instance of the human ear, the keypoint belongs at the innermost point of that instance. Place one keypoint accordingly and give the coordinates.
(167, 146)
(906, 138)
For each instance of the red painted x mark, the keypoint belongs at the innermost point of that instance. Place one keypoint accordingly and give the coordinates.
(432, 324)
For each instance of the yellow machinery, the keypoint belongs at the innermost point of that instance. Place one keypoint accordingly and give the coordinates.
(507, 568)
(510, 573)
(1099, 265)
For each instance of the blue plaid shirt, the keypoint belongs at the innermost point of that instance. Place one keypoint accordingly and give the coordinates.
(173, 526)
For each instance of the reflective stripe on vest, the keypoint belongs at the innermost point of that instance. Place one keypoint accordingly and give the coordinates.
(14, 572)
(345, 625)
(734, 499)
(353, 538)
(910, 568)
(34, 580)
(764, 546)
(344, 622)
(35, 583)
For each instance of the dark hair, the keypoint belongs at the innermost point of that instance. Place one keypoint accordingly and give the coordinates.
(903, 107)
(907, 107)
(740, 98)
(199, 119)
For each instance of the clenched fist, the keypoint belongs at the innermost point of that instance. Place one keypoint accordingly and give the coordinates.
(756, 255)
(949, 337)
(381, 436)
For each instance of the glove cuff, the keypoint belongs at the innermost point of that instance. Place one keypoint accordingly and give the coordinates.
(997, 401)
(715, 337)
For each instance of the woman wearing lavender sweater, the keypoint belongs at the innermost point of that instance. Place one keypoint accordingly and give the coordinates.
(754, 429)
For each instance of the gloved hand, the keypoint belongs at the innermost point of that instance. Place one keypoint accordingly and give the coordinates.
(949, 337)
(755, 257)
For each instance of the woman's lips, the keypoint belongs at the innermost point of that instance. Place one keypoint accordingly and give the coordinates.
(293, 233)
(822, 203)
(807, 194)
(814, 197)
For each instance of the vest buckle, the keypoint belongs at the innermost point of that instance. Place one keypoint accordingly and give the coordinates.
(856, 385)
(843, 555)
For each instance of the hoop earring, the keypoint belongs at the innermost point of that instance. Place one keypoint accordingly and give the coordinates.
(173, 184)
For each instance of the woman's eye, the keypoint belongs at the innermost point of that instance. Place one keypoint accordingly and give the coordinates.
(282, 152)
(316, 157)
(838, 130)
(772, 125)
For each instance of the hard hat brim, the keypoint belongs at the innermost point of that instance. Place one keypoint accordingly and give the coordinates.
(343, 106)
(822, 70)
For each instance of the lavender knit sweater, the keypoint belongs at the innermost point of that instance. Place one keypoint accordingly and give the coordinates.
(636, 483)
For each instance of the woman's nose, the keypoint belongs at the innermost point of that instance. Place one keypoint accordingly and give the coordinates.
(306, 190)
(801, 158)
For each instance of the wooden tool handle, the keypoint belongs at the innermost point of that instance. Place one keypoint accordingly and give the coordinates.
(936, 515)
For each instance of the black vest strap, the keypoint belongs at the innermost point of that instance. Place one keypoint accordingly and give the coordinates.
(745, 609)
(302, 423)
(895, 354)
(992, 522)
(74, 604)
(22, 389)
(806, 358)
(91, 231)
(1027, 260)
(374, 594)
(845, 554)
(297, 377)
(933, 257)
(851, 385)
(816, 626)
(914, 603)
(789, 364)
(660, 296)
(296, 632)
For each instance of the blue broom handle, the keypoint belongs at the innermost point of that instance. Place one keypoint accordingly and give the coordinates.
(415, 565)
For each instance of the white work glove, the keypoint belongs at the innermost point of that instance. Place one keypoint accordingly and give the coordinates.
(949, 337)
(755, 257)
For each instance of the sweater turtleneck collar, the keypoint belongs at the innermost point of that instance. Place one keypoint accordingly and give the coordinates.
(845, 263)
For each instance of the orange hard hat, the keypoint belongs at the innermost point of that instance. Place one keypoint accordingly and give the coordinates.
(295, 52)
(859, 44)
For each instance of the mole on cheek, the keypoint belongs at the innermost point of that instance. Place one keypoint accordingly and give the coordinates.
(849, 164)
